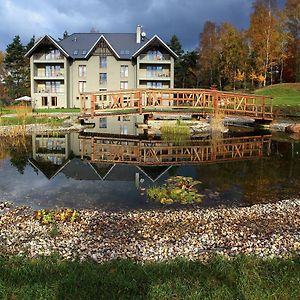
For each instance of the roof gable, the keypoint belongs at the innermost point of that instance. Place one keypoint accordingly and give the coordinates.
(155, 38)
(49, 39)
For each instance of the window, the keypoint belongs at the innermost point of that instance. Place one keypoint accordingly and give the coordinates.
(154, 71)
(44, 101)
(54, 101)
(154, 55)
(103, 78)
(126, 118)
(124, 51)
(123, 129)
(154, 85)
(84, 52)
(53, 54)
(82, 71)
(103, 123)
(57, 71)
(76, 52)
(124, 71)
(47, 86)
(103, 62)
(124, 85)
(82, 87)
(57, 86)
(47, 71)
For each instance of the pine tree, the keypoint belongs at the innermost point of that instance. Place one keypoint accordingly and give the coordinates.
(175, 45)
(16, 65)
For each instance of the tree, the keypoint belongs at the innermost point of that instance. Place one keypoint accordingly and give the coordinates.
(264, 36)
(190, 75)
(209, 53)
(233, 53)
(175, 45)
(3, 90)
(292, 10)
(17, 66)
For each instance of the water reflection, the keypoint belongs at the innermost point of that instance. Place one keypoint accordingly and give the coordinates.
(113, 171)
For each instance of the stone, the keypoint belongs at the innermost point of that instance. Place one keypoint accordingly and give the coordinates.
(295, 128)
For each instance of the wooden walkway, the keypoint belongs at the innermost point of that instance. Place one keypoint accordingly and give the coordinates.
(152, 152)
(176, 101)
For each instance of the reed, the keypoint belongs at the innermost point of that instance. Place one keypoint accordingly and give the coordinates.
(178, 133)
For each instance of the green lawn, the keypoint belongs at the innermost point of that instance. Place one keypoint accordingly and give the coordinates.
(12, 110)
(4, 121)
(57, 110)
(241, 278)
(283, 94)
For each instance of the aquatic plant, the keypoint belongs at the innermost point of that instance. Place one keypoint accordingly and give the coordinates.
(177, 133)
(46, 216)
(177, 189)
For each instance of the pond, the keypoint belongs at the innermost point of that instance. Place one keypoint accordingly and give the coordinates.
(114, 171)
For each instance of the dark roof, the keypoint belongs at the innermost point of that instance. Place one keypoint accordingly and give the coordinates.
(124, 44)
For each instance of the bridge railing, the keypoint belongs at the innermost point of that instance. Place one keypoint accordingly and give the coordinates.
(143, 152)
(199, 101)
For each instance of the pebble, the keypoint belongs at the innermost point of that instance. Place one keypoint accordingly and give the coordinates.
(266, 230)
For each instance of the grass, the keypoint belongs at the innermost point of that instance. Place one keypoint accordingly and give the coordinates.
(15, 110)
(241, 278)
(283, 94)
(176, 133)
(4, 121)
(57, 110)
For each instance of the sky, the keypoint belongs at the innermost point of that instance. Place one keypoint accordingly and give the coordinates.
(185, 18)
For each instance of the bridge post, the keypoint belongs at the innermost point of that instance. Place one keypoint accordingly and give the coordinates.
(214, 93)
(140, 102)
(93, 105)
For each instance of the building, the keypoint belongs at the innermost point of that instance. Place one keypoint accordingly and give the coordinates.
(93, 62)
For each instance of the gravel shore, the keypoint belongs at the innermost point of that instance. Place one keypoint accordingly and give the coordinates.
(266, 230)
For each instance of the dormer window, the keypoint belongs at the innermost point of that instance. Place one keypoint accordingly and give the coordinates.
(124, 51)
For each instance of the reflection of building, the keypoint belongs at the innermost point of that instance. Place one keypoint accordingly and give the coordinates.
(108, 157)
(118, 125)
(90, 62)
(50, 153)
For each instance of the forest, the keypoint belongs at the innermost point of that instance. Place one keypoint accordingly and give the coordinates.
(266, 53)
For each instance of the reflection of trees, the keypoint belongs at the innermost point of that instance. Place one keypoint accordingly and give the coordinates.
(262, 180)
(18, 148)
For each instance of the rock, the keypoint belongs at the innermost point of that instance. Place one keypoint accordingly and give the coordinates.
(295, 128)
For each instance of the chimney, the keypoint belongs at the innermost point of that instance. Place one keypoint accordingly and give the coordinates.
(138, 34)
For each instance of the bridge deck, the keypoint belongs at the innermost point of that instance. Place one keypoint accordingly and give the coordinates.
(181, 101)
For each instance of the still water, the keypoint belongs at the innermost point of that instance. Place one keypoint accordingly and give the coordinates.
(113, 172)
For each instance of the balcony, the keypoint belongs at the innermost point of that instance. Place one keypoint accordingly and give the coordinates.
(55, 76)
(46, 58)
(159, 58)
(50, 92)
(155, 75)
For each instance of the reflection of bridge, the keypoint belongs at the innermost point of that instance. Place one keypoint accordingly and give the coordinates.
(183, 101)
(153, 152)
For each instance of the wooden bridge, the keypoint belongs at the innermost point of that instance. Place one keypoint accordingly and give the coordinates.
(176, 101)
(157, 152)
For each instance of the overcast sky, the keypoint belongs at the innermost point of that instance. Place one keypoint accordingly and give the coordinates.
(185, 18)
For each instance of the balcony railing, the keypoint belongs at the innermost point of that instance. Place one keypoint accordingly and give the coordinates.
(43, 56)
(44, 75)
(153, 74)
(47, 91)
(157, 57)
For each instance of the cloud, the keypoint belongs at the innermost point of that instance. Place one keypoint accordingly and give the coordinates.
(162, 17)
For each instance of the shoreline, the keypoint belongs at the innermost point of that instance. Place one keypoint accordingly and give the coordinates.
(263, 230)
